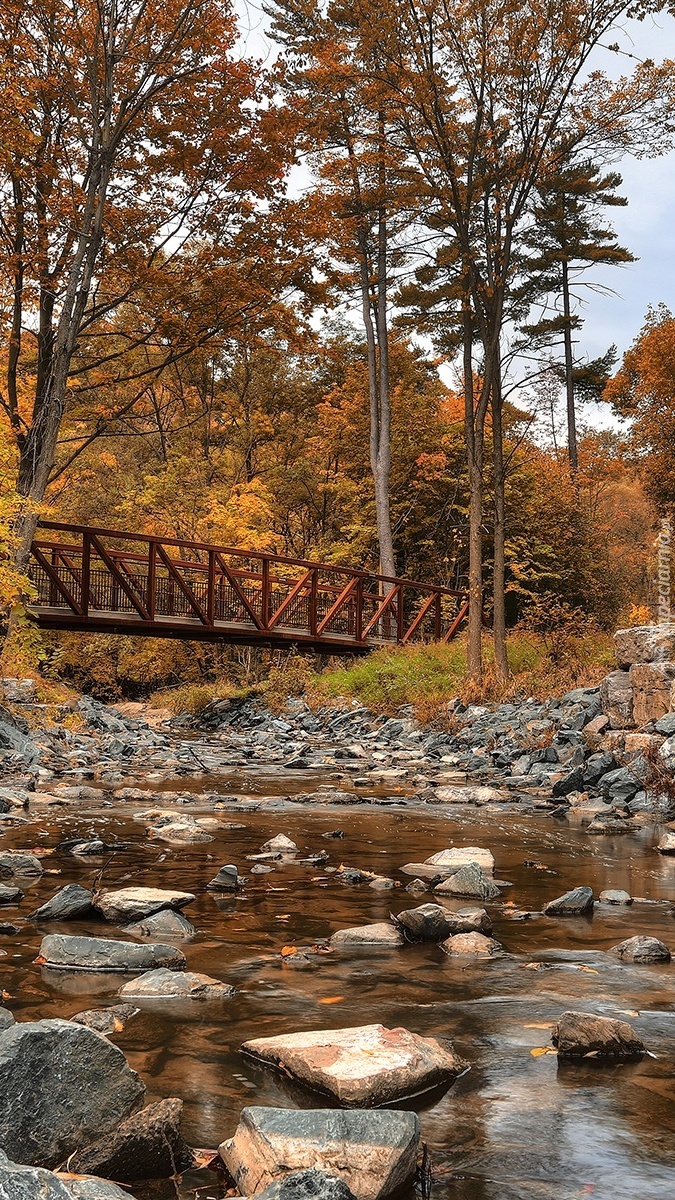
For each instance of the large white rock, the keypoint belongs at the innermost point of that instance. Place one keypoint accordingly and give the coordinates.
(469, 794)
(134, 903)
(644, 644)
(373, 1153)
(363, 1066)
(458, 856)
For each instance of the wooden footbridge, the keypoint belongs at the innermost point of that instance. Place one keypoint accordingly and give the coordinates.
(110, 581)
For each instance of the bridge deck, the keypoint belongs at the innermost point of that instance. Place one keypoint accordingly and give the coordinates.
(102, 580)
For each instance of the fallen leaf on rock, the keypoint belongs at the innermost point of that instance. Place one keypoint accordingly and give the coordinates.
(331, 999)
(287, 951)
(538, 1051)
(626, 1012)
(540, 1025)
(582, 967)
(536, 966)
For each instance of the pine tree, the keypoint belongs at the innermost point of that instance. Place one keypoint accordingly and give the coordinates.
(567, 237)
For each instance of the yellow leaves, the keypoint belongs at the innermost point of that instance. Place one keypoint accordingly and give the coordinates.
(540, 1025)
(288, 951)
(540, 1051)
(331, 999)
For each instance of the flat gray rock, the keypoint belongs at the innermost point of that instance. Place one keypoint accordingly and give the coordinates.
(575, 903)
(19, 862)
(71, 901)
(80, 1087)
(164, 924)
(104, 954)
(381, 933)
(373, 1153)
(135, 903)
(10, 895)
(106, 1020)
(186, 985)
(363, 1066)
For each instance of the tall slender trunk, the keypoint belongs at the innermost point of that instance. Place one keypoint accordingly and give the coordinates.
(382, 465)
(499, 568)
(474, 433)
(572, 448)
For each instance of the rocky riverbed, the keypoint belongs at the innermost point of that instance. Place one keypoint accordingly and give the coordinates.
(227, 943)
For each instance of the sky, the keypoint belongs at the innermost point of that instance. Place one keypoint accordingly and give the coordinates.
(646, 226)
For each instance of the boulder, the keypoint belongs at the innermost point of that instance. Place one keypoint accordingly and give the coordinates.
(180, 831)
(279, 845)
(469, 881)
(651, 684)
(468, 794)
(363, 1066)
(571, 782)
(428, 923)
(104, 954)
(10, 895)
(80, 1087)
(227, 879)
(596, 766)
(6, 1018)
(666, 724)
(459, 856)
(610, 824)
(186, 985)
(579, 1034)
(644, 644)
(666, 843)
(135, 903)
(622, 784)
(615, 896)
(167, 923)
(373, 1153)
(89, 1188)
(19, 1182)
(616, 697)
(468, 920)
(666, 754)
(106, 1020)
(471, 943)
(382, 933)
(71, 901)
(575, 903)
(308, 1185)
(19, 862)
(147, 1145)
(642, 949)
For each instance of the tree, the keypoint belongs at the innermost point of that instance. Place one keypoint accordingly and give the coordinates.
(643, 390)
(568, 235)
(128, 129)
(482, 91)
(332, 79)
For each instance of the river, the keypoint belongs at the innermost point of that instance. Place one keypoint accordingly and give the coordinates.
(518, 1125)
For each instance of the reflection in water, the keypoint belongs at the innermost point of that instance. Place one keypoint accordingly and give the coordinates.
(516, 1126)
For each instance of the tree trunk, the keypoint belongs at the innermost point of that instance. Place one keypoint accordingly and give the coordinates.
(382, 468)
(572, 449)
(474, 451)
(499, 569)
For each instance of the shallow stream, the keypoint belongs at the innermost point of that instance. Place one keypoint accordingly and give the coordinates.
(518, 1125)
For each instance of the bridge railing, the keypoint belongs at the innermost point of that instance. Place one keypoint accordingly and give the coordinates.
(95, 578)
